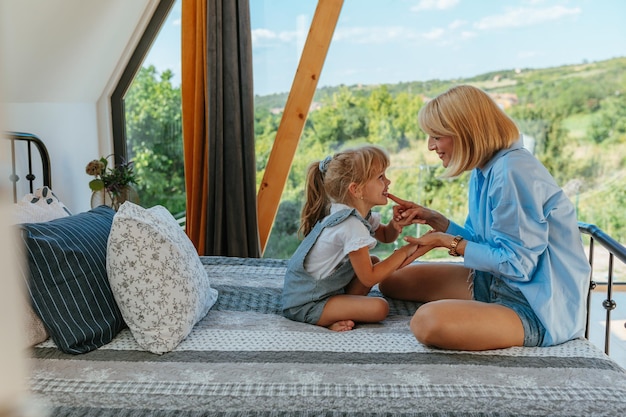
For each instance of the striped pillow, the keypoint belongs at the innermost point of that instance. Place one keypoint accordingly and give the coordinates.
(67, 279)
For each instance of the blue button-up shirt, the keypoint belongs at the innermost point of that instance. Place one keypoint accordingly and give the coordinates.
(522, 228)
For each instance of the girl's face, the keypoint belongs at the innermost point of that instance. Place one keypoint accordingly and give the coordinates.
(374, 191)
(443, 145)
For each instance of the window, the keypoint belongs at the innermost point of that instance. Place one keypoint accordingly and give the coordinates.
(560, 79)
(146, 109)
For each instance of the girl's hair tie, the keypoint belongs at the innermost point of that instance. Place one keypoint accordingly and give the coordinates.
(324, 164)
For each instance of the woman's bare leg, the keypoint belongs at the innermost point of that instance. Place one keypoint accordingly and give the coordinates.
(425, 282)
(467, 325)
(451, 319)
(342, 311)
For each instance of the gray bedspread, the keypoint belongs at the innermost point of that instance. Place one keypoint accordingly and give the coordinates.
(245, 359)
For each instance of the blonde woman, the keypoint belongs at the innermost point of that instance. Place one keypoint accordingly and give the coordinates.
(524, 276)
(331, 273)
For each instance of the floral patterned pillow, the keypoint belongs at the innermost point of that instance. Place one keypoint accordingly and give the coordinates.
(157, 278)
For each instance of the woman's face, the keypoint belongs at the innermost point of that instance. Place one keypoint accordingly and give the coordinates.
(443, 145)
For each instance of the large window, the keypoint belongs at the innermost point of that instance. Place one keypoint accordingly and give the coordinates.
(147, 112)
(558, 77)
(561, 79)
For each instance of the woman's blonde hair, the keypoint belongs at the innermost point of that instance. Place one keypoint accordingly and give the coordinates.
(477, 125)
(328, 181)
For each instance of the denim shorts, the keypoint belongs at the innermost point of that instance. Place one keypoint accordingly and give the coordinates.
(491, 289)
(307, 313)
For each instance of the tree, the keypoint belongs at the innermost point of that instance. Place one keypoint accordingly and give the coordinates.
(609, 123)
(155, 141)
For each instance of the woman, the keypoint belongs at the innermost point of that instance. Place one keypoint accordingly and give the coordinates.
(524, 277)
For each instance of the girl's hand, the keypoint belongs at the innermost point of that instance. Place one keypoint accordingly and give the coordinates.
(413, 251)
(401, 212)
(410, 213)
(399, 221)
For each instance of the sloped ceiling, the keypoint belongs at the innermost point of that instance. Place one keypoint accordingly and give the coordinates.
(64, 50)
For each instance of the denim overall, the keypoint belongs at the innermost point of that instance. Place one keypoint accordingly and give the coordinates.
(304, 297)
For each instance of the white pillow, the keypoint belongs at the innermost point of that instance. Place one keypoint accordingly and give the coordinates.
(38, 207)
(35, 330)
(157, 278)
(41, 206)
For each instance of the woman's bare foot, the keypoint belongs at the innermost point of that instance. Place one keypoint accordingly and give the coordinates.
(342, 326)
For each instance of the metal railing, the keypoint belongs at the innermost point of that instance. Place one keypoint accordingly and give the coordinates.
(615, 250)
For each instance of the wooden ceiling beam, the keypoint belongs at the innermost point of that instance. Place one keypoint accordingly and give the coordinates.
(295, 114)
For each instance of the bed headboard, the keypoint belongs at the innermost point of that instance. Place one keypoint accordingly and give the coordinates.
(30, 161)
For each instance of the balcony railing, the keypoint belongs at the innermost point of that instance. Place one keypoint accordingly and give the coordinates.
(615, 250)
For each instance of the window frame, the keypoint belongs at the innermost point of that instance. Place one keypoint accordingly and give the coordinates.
(118, 114)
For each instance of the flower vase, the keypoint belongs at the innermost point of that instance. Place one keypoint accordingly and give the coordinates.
(101, 197)
(127, 193)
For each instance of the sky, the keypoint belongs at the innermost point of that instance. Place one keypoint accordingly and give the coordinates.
(391, 41)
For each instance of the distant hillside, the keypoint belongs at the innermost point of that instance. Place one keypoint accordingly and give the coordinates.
(576, 115)
(504, 81)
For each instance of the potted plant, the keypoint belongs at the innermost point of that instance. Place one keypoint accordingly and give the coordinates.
(111, 186)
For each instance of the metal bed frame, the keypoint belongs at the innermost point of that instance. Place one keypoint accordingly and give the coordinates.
(28, 140)
(596, 235)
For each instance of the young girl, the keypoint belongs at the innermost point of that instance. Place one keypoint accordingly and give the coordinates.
(331, 273)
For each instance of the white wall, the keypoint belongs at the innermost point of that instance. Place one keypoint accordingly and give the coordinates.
(71, 136)
(59, 62)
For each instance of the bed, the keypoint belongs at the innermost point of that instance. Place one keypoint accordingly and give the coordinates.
(240, 357)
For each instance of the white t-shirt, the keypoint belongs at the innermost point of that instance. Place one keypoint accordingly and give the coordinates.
(335, 243)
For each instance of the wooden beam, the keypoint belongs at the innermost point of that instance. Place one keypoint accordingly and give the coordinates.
(295, 114)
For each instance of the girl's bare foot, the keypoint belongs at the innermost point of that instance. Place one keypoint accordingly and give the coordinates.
(342, 326)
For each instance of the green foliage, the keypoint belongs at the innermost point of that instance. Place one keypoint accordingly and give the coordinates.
(569, 111)
(154, 138)
(284, 237)
(576, 114)
(609, 122)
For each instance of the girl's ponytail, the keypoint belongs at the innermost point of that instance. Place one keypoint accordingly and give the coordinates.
(317, 204)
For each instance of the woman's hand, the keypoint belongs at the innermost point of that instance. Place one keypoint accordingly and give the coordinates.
(400, 212)
(401, 207)
(407, 212)
(431, 239)
(412, 251)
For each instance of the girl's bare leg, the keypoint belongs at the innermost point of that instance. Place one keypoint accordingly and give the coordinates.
(425, 282)
(467, 325)
(341, 312)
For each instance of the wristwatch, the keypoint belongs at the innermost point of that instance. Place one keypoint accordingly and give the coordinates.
(455, 242)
